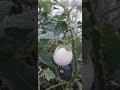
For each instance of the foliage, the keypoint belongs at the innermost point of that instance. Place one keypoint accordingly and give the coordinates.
(59, 26)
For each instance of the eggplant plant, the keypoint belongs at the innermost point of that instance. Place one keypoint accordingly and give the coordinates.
(60, 44)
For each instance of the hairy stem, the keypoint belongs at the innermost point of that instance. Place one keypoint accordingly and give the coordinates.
(54, 86)
(74, 74)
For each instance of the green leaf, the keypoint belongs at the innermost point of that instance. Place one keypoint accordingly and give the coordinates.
(61, 27)
(68, 35)
(46, 4)
(48, 35)
(49, 74)
(79, 85)
(47, 58)
(50, 25)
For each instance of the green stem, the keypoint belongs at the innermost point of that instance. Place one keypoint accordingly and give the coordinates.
(57, 75)
(73, 45)
(54, 86)
(74, 52)
(70, 84)
(56, 71)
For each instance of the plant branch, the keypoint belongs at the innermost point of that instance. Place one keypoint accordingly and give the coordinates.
(70, 84)
(54, 86)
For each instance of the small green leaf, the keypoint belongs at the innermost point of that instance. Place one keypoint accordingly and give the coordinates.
(68, 35)
(80, 86)
(49, 74)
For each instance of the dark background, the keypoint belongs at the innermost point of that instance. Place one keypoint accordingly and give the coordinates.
(101, 44)
(18, 44)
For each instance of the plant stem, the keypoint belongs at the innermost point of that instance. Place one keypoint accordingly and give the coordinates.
(70, 84)
(73, 45)
(57, 75)
(74, 75)
(54, 86)
(56, 71)
(74, 52)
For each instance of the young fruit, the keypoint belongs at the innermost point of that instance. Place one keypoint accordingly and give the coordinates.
(62, 57)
